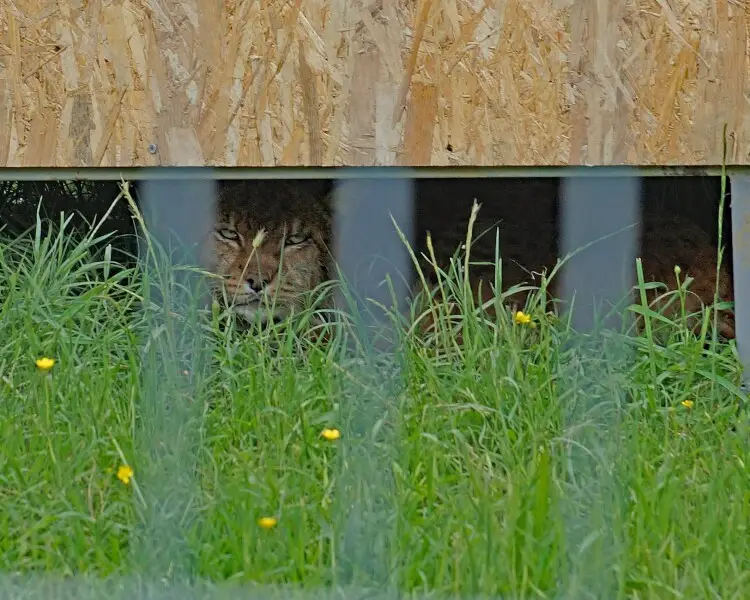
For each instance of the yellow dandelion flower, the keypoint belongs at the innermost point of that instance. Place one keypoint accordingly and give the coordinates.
(124, 473)
(521, 318)
(331, 434)
(45, 364)
(267, 522)
(688, 403)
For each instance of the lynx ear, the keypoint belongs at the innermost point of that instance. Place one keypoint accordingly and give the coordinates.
(328, 202)
(227, 193)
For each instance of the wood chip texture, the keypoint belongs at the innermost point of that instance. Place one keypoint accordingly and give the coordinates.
(121, 83)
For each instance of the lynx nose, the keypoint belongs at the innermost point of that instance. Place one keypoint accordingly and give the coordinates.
(255, 285)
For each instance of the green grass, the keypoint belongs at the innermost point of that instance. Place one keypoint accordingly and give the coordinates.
(525, 463)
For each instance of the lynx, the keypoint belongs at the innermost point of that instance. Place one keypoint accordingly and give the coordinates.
(669, 241)
(528, 244)
(271, 245)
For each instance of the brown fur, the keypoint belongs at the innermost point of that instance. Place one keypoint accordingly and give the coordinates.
(527, 243)
(668, 241)
(528, 247)
(290, 223)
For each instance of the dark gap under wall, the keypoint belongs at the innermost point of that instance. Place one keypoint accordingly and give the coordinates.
(440, 202)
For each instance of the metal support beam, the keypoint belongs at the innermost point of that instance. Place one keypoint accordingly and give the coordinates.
(740, 209)
(597, 211)
(174, 358)
(464, 172)
(593, 210)
(368, 251)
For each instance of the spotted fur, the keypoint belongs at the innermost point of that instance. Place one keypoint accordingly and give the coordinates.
(269, 247)
(529, 246)
(272, 241)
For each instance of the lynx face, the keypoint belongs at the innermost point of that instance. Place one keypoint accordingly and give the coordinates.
(269, 246)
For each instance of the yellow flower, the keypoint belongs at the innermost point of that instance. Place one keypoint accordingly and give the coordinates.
(267, 522)
(688, 403)
(521, 318)
(331, 434)
(124, 473)
(45, 364)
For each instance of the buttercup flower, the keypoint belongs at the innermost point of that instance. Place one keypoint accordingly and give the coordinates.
(45, 364)
(331, 434)
(124, 473)
(688, 403)
(267, 522)
(521, 318)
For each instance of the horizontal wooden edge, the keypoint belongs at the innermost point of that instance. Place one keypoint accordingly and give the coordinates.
(385, 172)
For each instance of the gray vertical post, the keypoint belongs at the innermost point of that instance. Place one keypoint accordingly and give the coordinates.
(593, 209)
(597, 278)
(178, 214)
(367, 246)
(368, 250)
(740, 208)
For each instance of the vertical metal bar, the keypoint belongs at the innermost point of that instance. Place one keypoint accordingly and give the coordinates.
(368, 250)
(367, 246)
(740, 209)
(178, 214)
(594, 211)
(596, 278)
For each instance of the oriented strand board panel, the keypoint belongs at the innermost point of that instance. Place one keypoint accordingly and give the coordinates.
(123, 83)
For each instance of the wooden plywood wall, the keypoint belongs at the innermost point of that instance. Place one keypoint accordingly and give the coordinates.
(373, 82)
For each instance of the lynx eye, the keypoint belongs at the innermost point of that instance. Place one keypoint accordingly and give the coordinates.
(296, 239)
(228, 234)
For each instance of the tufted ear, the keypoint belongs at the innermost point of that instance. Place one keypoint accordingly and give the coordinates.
(326, 197)
(326, 202)
(226, 199)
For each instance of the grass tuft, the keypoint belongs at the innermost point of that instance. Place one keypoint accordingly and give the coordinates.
(474, 444)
